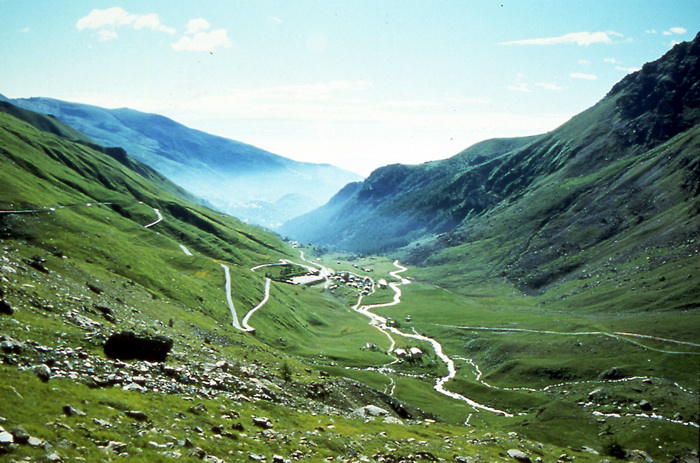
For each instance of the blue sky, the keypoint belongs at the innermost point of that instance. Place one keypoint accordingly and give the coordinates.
(354, 83)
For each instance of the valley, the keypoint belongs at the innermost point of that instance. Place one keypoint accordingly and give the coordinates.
(531, 299)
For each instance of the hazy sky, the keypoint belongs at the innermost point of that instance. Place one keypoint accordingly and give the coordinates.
(354, 83)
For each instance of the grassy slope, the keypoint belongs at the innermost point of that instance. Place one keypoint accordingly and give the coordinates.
(150, 285)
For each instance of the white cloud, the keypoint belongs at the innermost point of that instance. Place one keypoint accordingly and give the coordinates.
(581, 75)
(521, 87)
(549, 86)
(583, 62)
(203, 41)
(675, 31)
(610, 60)
(25, 30)
(104, 35)
(276, 20)
(197, 25)
(650, 31)
(107, 21)
(151, 21)
(578, 38)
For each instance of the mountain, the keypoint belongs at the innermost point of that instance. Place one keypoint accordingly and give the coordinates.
(614, 182)
(116, 339)
(122, 301)
(236, 178)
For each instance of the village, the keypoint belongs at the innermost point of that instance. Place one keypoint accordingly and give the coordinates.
(364, 285)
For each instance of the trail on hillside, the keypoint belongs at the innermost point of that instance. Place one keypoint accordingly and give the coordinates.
(158, 220)
(250, 313)
(380, 323)
(620, 335)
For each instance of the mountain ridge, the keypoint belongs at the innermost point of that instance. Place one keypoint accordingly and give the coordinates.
(235, 177)
(425, 213)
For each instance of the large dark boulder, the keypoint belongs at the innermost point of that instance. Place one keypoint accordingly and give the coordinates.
(130, 346)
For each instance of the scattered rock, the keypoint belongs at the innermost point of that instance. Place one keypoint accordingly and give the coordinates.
(371, 411)
(127, 345)
(53, 456)
(519, 455)
(6, 308)
(256, 457)
(20, 435)
(43, 372)
(197, 409)
(114, 446)
(35, 442)
(613, 373)
(6, 438)
(262, 422)
(645, 405)
(69, 410)
(136, 415)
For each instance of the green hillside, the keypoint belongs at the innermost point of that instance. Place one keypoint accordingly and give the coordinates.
(84, 257)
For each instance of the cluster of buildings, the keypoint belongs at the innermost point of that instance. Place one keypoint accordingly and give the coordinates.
(362, 284)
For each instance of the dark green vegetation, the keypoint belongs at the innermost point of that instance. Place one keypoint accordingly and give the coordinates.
(240, 179)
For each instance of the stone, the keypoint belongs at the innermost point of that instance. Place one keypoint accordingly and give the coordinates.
(6, 438)
(519, 455)
(101, 423)
(197, 409)
(136, 415)
(262, 422)
(69, 410)
(6, 308)
(613, 373)
(43, 372)
(645, 405)
(35, 442)
(53, 456)
(114, 446)
(256, 457)
(20, 435)
(127, 345)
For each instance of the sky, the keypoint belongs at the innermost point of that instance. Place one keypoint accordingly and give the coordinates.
(355, 83)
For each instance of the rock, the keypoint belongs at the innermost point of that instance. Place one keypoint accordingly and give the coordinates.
(101, 423)
(197, 409)
(6, 308)
(114, 446)
(262, 422)
(53, 456)
(256, 457)
(371, 411)
(6, 438)
(519, 455)
(645, 405)
(136, 415)
(613, 373)
(639, 455)
(237, 426)
(127, 345)
(35, 442)
(20, 435)
(43, 372)
(69, 410)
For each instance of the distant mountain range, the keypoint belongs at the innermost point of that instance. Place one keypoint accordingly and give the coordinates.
(247, 182)
(617, 180)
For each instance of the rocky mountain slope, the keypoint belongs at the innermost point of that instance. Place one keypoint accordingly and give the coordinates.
(616, 181)
(242, 180)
